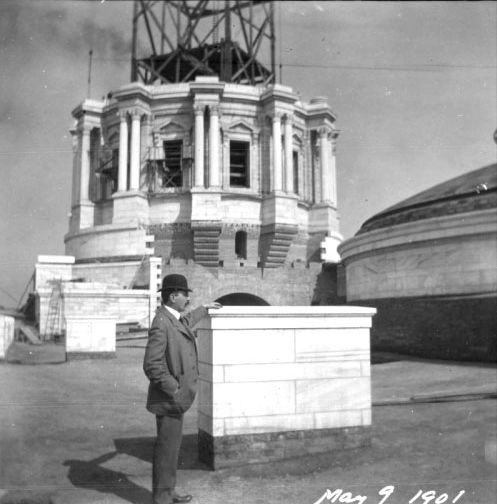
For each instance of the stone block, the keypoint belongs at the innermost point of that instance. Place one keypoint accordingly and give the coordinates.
(243, 346)
(491, 450)
(7, 324)
(291, 371)
(333, 395)
(324, 344)
(268, 423)
(338, 419)
(267, 398)
(90, 335)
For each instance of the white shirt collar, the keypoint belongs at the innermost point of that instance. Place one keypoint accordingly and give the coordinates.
(176, 314)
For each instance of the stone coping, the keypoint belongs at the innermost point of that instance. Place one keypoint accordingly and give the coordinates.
(292, 311)
(91, 317)
(92, 291)
(55, 259)
(103, 228)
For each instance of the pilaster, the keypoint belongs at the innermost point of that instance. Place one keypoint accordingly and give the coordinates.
(214, 180)
(134, 176)
(277, 168)
(289, 154)
(123, 152)
(332, 168)
(324, 171)
(199, 111)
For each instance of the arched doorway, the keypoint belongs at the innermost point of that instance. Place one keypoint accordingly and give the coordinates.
(241, 299)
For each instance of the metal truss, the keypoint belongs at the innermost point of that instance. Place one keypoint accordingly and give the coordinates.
(178, 40)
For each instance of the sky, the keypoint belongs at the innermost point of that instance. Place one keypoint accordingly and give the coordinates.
(413, 86)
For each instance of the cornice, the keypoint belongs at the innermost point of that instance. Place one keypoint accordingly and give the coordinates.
(279, 93)
(88, 107)
(206, 85)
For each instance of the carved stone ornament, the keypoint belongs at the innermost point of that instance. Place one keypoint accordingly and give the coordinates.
(230, 229)
(323, 132)
(214, 109)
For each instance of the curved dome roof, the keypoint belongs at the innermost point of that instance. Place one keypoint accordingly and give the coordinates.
(476, 190)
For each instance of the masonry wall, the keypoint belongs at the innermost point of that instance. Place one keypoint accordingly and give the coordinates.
(278, 286)
(433, 282)
(436, 327)
(117, 274)
(278, 382)
(108, 242)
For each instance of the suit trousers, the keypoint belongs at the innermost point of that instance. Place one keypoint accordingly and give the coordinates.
(165, 458)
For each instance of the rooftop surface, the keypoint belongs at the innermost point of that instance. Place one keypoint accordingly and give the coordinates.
(78, 432)
(475, 190)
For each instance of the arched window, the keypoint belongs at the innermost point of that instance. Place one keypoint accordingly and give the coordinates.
(241, 244)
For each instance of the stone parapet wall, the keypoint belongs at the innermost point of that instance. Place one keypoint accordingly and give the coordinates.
(282, 376)
(49, 268)
(98, 299)
(100, 289)
(441, 256)
(110, 241)
(90, 337)
(119, 274)
(278, 286)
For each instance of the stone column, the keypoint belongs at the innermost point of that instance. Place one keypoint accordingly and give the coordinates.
(333, 170)
(123, 153)
(214, 146)
(277, 175)
(84, 181)
(226, 156)
(134, 181)
(199, 146)
(76, 163)
(255, 174)
(323, 155)
(288, 154)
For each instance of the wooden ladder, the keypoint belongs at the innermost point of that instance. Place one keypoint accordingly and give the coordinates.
(53, 326)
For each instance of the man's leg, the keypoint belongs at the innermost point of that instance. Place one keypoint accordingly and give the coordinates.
(165, 461)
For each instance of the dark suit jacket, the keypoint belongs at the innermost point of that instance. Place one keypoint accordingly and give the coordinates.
(171, 362)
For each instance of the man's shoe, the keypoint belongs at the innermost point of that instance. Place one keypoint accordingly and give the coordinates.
(181, 499)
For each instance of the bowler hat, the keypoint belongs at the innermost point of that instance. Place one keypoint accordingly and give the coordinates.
(175, 282)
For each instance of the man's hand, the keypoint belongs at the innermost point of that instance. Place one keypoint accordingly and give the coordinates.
(214, 306)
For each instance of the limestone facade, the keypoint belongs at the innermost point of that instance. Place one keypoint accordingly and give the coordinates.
(219, 180)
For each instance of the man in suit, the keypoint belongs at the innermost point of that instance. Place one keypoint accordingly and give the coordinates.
(171, 365)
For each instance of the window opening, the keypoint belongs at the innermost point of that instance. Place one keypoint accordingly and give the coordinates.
(109, 173)
(295, 163)
(241, 244)
(171, 172)
(239, 163)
